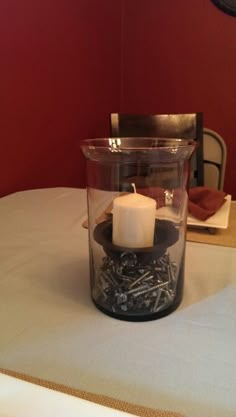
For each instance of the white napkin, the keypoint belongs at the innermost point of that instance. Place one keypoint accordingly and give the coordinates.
(22, 399)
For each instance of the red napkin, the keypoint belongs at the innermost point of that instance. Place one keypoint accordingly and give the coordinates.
(203, 201)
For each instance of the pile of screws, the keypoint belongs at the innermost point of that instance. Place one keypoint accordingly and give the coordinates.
(127, 287)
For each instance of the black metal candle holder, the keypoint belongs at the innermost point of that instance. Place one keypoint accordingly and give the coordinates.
(138, 284)
(166, 234)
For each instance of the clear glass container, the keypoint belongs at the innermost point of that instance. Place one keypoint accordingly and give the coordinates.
(137, 211)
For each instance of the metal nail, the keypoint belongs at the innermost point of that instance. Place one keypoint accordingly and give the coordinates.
(122, 298)
(158, 268)
(141, 287)
(150, 289)
(169, 273)
(102, 292)
(161, 307)
(157, 300)
(104, 284)
(147, 302)
(128, 259)
(126, 278)
(163, 262)
(173, 267)
(149, 278)
(139, 279)
(118, 270)
(109, 278)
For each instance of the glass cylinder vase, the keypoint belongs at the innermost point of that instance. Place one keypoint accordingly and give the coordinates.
(137, 211)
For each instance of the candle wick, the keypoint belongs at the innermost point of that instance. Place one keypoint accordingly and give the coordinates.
(134, 188)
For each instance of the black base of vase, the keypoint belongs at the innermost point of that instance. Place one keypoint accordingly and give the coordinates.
(139, 318)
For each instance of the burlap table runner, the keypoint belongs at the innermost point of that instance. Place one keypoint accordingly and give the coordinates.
(222, 237)
(137, 410)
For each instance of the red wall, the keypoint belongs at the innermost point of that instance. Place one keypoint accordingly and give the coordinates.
(180, 56)
(65, 65)
(59, 78)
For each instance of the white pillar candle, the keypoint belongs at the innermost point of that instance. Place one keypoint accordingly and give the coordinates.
(133, 221)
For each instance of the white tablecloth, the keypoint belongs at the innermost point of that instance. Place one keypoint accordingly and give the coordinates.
(50, 328)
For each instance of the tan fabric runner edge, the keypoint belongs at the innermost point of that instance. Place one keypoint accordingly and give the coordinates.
(221, 237)
(137, 410)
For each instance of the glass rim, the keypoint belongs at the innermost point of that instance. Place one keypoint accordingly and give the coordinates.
(152, 143)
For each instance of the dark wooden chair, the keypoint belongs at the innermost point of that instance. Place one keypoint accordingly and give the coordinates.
(184, 126)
